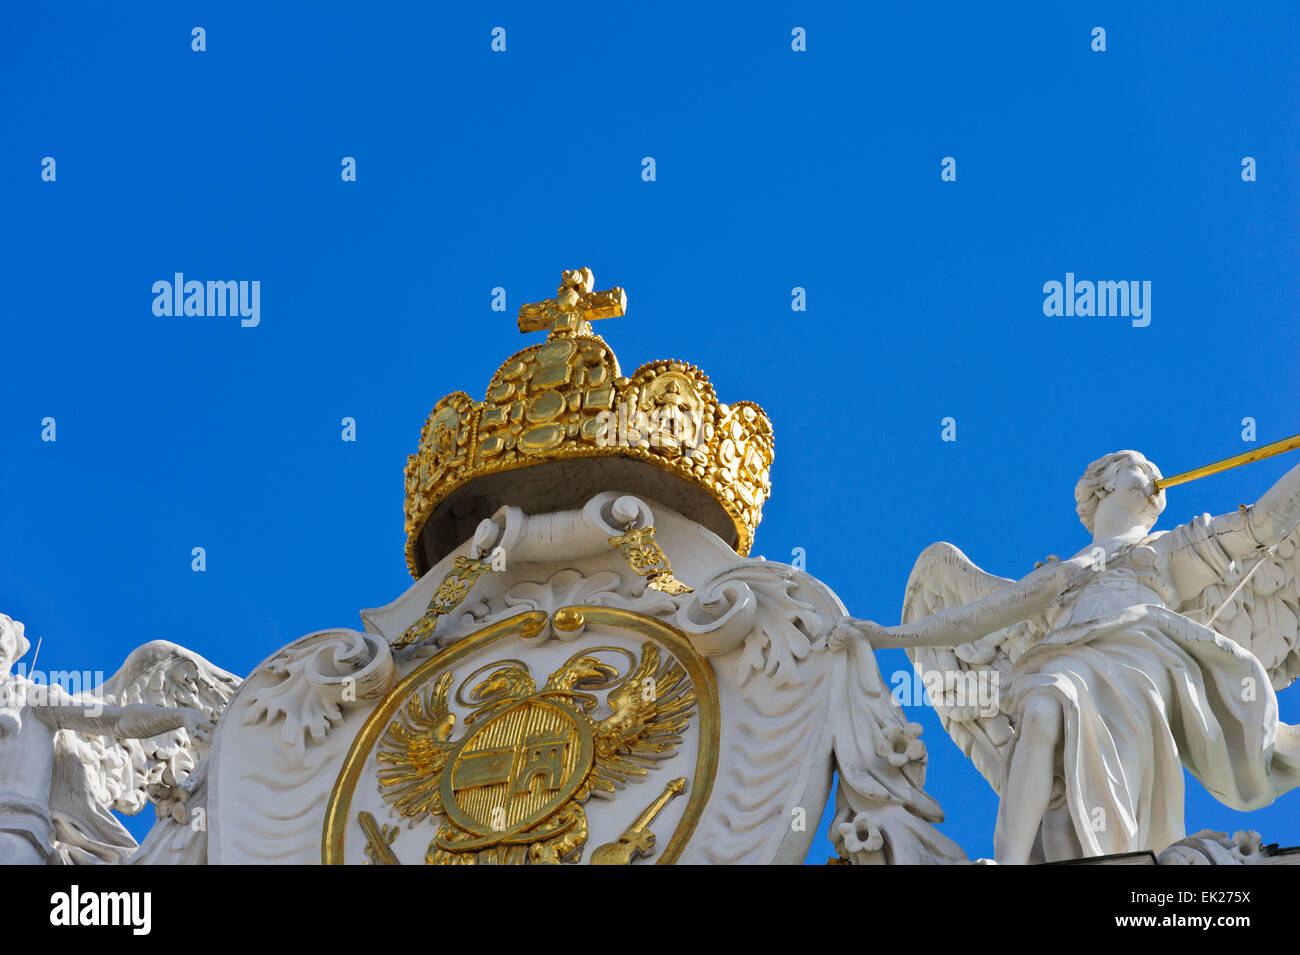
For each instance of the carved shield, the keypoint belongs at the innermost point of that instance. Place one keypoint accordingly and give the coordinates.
(547, 711)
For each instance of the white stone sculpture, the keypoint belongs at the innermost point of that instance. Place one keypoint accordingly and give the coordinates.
(793, 706)
(588, 667)
(67, 758)
(1206, 847)
(1144, 653)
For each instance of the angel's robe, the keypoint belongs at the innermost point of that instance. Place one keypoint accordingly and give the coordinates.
(1145, 691)
(26, 762)
(44, 792)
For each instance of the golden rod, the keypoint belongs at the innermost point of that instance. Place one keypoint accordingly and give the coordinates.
(1267, 451)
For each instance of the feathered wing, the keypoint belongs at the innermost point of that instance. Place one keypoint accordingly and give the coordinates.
(1263, 615)
(93, 774)
(85, 832)
(945, 577)
(162, 674)
(415, 750)
(652, 708)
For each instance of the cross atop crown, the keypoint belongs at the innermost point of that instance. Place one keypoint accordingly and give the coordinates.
(574, 307)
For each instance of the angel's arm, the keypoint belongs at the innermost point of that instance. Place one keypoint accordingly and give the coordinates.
(1271, 518)
(132, 721)
(1195, 557)
(966, 623)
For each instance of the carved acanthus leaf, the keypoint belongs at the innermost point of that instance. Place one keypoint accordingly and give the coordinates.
(725, 614)
(315, 678)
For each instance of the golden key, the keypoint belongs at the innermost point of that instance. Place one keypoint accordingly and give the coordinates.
(637, 839)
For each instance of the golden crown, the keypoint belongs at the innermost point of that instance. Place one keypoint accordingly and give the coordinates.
(562, 410)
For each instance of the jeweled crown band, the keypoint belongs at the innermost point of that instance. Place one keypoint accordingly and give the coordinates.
(565, 399)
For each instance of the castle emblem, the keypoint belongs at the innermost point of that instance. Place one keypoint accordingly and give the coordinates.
(511, 789)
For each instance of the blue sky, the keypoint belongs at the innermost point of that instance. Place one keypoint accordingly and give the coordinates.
(477, 169)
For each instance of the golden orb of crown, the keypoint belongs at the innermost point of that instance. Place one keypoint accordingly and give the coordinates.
(562, 410)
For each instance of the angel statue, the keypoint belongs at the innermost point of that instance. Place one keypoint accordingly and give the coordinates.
(66, 759)
(1144, 653)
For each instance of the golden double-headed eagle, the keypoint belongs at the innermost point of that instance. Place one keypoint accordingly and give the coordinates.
(512, 788)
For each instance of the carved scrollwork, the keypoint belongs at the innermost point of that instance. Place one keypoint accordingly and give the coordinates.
(317, 677)
(570, 588)
(725, 615)
(1208, 847)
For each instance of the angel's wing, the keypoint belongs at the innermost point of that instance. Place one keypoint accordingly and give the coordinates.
(415, 749)
(945, 577)
(85, 832)
(163, 674)
(651, 709)
(1257, 604)
(93, 774)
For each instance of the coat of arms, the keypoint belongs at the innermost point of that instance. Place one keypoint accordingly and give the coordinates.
(500, 765)
(512, 787)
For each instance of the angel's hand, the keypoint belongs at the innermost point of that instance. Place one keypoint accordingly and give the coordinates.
(199, 727)
(850, 628)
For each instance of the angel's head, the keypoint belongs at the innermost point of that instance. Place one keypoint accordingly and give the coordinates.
(12, 643)
(1121, 486)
